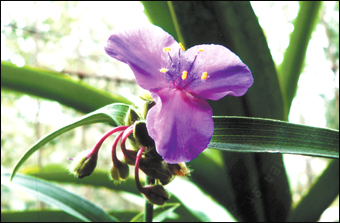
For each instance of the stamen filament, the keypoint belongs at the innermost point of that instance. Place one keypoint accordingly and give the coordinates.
(192, 63)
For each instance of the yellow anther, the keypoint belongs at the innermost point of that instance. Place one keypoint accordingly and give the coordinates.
(200, 50)
(163, 70)
(184, 75)
(182, 47)
(167, 49)
(204, 75)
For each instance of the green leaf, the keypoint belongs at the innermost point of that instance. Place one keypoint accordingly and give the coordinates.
(113, 114)
(53, 195)
(234, 25)
(160, 14)
(37, 216)
(319, 197)
(160, 213)
(294, 57)
(55, 86)
(99, 178)
(241, 134)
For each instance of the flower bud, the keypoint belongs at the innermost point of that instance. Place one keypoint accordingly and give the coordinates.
(141, 135)
(120, 172)
(149, 102)
(131, 157)
(146, 107)
(84, 163)
(179, 169)
(156, 169)
(146, 96)
(131, 117)
(156, 194)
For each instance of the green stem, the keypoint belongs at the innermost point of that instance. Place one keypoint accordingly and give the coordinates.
(148, 214)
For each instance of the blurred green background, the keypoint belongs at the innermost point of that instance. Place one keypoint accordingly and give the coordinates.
(69, 37)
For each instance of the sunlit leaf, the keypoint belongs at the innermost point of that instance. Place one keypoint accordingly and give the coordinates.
(55, 86)
(295, 54)
(53, 195)
(112, 114)
(41, 215)
(319, 197)
(240, 134)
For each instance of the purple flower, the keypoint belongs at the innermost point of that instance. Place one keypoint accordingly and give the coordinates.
(181, 122)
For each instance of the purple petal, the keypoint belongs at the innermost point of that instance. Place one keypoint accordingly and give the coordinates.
(142, 49)
(180, 124)
(227, 74)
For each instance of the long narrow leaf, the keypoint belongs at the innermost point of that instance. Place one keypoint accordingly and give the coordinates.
(159, 14)
(54, 195)
(234, 25)
(240, 134)
(112, 114)
(294, 56)
(319, 197)
(55, 86)
(37, 216)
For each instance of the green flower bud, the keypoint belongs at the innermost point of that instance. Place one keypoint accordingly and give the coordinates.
(156, 169)
(146, 107)
(119, 173)
(84, 163)
(146, 96)
(140, 133)
(156, 194)
(131, 117)
(131, 157)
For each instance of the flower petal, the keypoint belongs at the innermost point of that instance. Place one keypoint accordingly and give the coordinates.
(180, 124)
(226, 73)
(142, 49)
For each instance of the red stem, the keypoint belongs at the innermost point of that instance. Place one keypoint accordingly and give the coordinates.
(139, 186)
(107, 134)
(127, 132)
(116, 162)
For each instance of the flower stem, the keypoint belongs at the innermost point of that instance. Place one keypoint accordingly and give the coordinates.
(148, 209)
(148, 213)
(138, 185)
(116, 162)
(107, 134)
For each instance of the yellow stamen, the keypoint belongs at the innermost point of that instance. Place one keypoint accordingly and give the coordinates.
(182, 47)
(200, 50)
(163, 70)
(167, 49)
(204, 75)
(184, 75)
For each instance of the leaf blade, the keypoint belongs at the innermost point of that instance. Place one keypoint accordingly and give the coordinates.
(55, 86)
(112, 114)
(51, 194)
(241, 134)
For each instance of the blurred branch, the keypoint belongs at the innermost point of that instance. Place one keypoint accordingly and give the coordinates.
(82, 75)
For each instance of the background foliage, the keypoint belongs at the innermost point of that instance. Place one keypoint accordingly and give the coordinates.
(255, 186)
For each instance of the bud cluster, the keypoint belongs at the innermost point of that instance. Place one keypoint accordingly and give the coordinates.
(143, 156)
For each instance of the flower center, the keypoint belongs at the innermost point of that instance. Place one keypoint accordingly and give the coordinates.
(178, 72)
